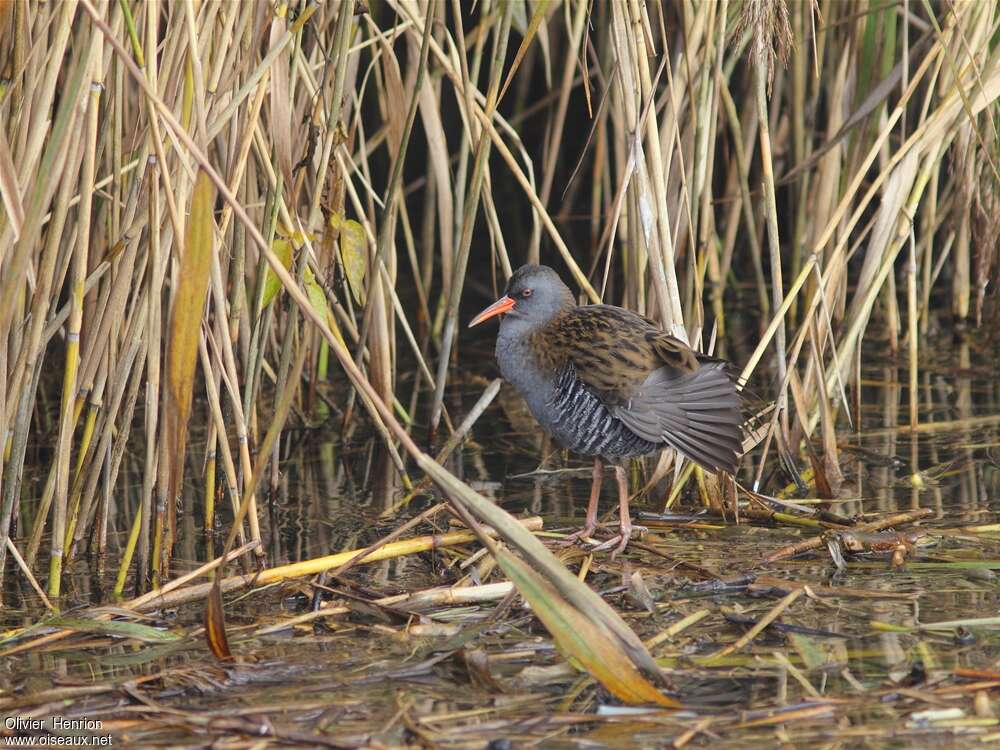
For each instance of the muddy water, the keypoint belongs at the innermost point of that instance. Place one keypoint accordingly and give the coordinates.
(854, 662)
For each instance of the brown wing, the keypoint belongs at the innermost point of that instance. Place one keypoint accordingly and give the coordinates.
(659, 387)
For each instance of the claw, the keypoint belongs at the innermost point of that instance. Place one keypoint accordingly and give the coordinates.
(577, 536)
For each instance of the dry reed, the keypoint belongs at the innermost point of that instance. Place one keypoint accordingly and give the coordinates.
(207, 200)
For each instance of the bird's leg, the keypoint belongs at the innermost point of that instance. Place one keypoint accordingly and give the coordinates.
(590, 526)
(595, 494)
(625, 520)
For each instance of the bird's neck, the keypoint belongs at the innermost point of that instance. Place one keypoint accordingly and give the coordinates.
(530, 356)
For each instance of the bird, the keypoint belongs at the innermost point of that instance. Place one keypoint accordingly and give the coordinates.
(607, 382)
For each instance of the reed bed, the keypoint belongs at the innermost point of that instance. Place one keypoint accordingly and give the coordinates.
(222, 222)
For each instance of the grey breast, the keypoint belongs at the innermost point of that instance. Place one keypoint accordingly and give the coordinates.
(564, 406)
(582, 423)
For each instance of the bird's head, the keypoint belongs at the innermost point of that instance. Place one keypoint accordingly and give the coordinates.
(534, 295)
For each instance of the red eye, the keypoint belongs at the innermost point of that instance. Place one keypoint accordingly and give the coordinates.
(526, 293)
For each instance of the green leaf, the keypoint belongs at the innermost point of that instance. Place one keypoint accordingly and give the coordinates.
(117, 628)
(353, 254)
(581, 637)
(272, 284)
(576, 592)
(317, 297)
(813, 656)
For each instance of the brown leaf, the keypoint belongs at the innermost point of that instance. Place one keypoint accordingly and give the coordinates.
(395, 99)
(9, 189)
(185, 326)
(215, 625)
(281, 115)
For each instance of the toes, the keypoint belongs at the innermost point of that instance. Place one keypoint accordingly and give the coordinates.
(587, 532)
(577, 536)
(615, 540)
(617, 543)
(621, 546)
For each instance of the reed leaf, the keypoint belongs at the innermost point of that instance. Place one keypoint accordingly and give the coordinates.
(184, 331)
(580, 638)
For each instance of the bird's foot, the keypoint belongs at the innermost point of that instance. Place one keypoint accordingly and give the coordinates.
(619, 541)
(580, 536)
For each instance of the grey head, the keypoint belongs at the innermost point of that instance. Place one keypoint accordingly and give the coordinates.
(534, 295)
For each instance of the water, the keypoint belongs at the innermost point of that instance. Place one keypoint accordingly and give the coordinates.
(858, 671)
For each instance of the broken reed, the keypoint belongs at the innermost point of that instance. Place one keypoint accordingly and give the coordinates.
(155, 158)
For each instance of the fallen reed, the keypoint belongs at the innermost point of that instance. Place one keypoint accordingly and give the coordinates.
(206, 207)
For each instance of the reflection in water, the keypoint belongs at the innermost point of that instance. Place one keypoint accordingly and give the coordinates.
(347, 675)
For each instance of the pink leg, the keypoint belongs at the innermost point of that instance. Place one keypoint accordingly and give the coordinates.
(625, 520)
(590, 526)
(595, 494)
